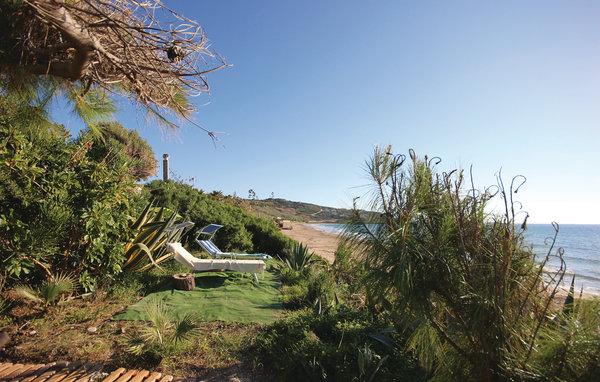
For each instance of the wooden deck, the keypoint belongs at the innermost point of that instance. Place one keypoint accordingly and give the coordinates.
(74, 372)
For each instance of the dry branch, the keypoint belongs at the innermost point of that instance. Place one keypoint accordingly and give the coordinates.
(138, 48)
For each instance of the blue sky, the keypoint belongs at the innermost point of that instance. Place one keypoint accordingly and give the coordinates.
(316, 84)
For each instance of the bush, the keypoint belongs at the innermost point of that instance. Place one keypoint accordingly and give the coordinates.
(61, 211)
(134, 149)
(327, 347)
(459, 278)
(241, 231)
(308, 280)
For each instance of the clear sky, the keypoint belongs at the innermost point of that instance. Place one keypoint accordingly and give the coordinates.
(316, 84)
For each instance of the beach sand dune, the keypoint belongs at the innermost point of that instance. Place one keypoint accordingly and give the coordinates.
(322, 243)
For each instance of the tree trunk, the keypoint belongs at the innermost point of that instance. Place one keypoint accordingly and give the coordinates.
(184, 281)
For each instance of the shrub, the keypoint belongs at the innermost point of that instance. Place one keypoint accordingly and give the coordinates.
(307, 280)
(134, 149)
(328, 347)
(346, 267)
(241, 231)
(161, 336)
(300, 259)
(569, 345)
(295, 296)
(458, 277)
(60, 209)
(52, 291)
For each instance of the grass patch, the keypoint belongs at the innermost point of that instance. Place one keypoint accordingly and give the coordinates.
(219, 296)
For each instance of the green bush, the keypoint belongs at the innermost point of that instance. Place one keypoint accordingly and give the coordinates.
(61, 211)
(307, 280)
(459, 278)
(241, 231)
(136, 151)
(309, 347)
(295, 296)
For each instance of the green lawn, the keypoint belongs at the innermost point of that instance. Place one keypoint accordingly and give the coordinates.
(219, 296)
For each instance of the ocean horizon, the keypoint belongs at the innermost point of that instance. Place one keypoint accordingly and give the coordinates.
(581, 244)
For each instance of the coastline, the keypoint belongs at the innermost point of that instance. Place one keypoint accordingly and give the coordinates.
(321, 243)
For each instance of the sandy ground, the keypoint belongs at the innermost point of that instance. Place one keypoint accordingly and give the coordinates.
(322, 243)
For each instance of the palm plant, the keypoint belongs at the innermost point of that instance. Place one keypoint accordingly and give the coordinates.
(162, 335)
(51, 292)
(147, 248)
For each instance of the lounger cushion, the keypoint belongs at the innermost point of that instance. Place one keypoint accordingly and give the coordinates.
(186, 258)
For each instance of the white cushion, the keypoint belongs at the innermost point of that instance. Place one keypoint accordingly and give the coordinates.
(187, 259)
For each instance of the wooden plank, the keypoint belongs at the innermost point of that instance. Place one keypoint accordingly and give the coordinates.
(153, 377)
(58, 376)
(77, 375)
(38, 372)
(73, 372)
(114, 375)
(19, 372)
(32, 370)
(128, 375)
(90, 373)
(139, 377)
(64, 372)
(44, 376)
(53, 369)
(9, 370)
(5, 366)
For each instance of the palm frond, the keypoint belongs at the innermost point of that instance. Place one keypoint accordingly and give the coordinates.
(185, 328)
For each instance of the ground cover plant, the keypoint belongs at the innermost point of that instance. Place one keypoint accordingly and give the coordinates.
(218, 296)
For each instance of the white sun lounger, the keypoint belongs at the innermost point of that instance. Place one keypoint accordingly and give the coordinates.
(182, 256)
(215, 252)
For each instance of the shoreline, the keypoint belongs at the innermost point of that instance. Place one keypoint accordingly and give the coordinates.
(321, 243)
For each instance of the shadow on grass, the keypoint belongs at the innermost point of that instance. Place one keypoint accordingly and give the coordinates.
(211, 281)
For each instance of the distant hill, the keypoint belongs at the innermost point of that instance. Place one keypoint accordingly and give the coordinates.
(299, 211)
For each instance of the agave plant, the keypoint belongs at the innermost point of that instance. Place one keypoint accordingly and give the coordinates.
(162, 335)
(51, 292)
(147, 248)
(300, 259)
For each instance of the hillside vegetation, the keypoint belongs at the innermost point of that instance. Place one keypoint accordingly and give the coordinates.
(299, 211)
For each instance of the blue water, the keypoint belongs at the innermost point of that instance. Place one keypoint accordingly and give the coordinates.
(581, 244)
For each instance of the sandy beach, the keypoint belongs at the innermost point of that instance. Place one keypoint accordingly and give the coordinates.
(322, 243)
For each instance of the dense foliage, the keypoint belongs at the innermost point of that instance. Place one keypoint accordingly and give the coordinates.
(116, 138)
(61, 209)
(242, 231)
(340, 345)
(461, 281)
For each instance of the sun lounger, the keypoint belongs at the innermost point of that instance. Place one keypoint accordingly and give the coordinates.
(216, 253)
(182, 256)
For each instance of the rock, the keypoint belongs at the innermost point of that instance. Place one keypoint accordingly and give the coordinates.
(4, 339)
(92, 329)
(32, 332)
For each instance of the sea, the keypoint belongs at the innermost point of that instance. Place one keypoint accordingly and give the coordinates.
(580, 242)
